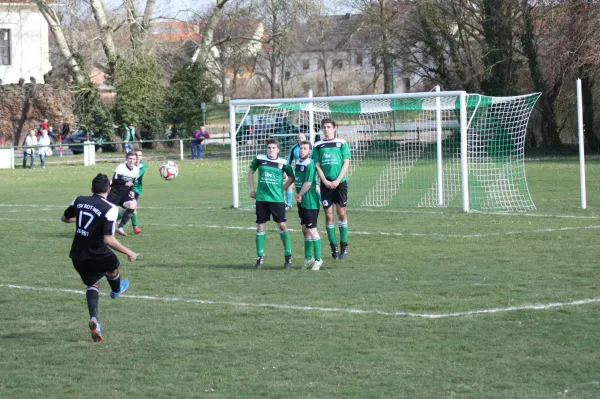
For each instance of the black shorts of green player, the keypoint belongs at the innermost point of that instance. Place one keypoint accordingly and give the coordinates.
(91, 271)
(338, 195)
(264, 210)
(308, 217)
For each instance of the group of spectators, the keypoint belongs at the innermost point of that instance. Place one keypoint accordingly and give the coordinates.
(40, 140)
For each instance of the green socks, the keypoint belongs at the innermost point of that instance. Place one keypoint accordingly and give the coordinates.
(286, 241)
(134, 219)
(260, 243)
(343, 232)
(317, 243)
(331, 234)
(308, 248)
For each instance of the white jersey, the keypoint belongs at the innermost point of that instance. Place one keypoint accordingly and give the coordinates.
(123, 172)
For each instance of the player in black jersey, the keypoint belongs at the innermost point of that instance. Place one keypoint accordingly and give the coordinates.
(91, 249)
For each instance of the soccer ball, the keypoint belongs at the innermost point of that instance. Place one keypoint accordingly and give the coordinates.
(168, 170)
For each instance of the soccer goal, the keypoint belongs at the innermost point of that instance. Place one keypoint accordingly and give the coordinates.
(434, 149)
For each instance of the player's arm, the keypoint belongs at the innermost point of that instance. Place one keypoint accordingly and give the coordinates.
(345, 167)
(321, 174)
(112, 242)
(251, 183)
(290, 177)
(69, 215)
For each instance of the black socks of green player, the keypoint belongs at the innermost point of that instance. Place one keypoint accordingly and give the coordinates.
(126, 216)
(92, 301)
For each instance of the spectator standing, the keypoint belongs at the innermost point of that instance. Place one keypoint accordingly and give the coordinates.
(198, 138)
(51, 134)
(66, 131)
(44, 148)
(129, 136)
(30, 141)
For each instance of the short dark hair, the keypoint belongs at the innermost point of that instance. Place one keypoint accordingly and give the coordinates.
(131, 154)
(136, 150)
(100, 184)
(306, 142)
(273, 141)
(327, 120)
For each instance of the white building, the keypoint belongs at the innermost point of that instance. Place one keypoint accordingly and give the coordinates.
(24, 43)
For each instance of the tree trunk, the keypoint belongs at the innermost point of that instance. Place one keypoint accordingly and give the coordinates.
(105, 35)
(202, 52)
(388, 74)
(73, 65)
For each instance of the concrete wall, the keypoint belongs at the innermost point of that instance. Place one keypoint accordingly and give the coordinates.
(29, 43)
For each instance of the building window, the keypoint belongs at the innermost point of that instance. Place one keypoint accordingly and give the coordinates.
(359, 59)
(4, 46)
(374, 60)
(241, 72)
(306, 65)
(287, 75)
(406, 85)
(338, 63)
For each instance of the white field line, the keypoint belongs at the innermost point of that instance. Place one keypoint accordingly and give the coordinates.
(546, 306)
(362, 233)
(357, 210)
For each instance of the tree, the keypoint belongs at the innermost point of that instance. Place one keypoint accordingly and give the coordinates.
(189, 87)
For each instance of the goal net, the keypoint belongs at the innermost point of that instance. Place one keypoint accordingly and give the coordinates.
(436, 149)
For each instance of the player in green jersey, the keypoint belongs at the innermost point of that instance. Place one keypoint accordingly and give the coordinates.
(269, 198)
(308, 206)
(137, 188)
(332, 160)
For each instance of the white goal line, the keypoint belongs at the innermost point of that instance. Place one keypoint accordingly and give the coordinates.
(541, 306)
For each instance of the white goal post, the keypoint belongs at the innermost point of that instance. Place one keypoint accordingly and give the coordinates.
(433, 149)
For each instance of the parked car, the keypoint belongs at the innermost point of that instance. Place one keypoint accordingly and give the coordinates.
(259, 128)
(80, 136)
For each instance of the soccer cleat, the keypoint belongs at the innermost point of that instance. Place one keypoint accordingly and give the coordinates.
(308, 263)
(317, 265)
(343, 251)
(289, 207)
(288, 262)
(121, 231)
(96, 330)
(334, 251)
(259, 262)
(124, 286)
(137, 230)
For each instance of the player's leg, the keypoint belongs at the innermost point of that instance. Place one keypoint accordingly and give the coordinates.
(327, 199)
(288, 198)
(117, 285)
(135, 217)
(311, 218)
(263, 215)
(130, 206)
(340, 207)
(278, 212)
(91, 278)
(308, 243)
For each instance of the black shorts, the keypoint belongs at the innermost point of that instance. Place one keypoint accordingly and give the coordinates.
(93, 270)
(119, 197)
(337, 196)
(264, 210)
(308, 217)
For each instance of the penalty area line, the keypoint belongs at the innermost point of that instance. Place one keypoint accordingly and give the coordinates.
(546, 306)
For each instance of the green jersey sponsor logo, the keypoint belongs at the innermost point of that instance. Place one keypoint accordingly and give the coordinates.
(330, 154)
(270, 177)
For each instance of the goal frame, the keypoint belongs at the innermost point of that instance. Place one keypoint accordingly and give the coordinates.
(437, 95)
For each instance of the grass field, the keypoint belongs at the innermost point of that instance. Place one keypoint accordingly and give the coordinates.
(429, 304)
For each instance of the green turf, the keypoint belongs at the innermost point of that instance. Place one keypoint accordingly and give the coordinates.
(204, 323)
